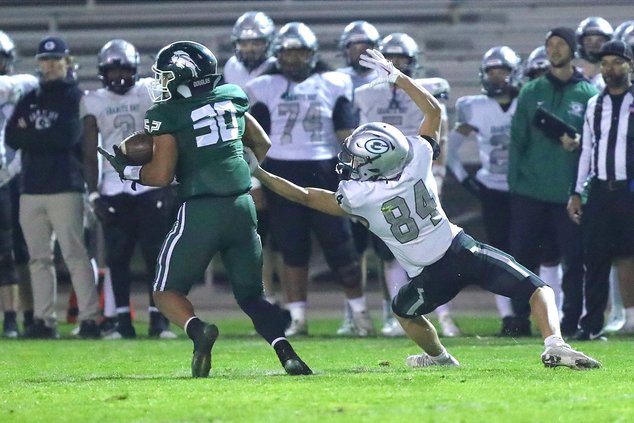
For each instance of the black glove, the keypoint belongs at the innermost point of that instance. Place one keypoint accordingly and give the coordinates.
(105, 212)
(472, 185)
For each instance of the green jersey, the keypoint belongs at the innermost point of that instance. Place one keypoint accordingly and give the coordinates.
(208, 129)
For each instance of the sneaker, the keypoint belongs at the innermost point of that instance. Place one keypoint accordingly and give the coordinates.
(392, 328)
(296, 367)
(107, 324)
(159, 327)
(297, 327)
(346, 328)
(447, 326)
(586, 335)
(616, 319)
(39, 330)
(201, 359)
(167, 334)
(425, 360)
(564, 355)
(120, 332)
(10, 329)
(363, 325)
(89, 329)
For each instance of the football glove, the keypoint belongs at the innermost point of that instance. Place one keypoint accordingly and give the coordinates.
(120, 164)
(250, 158)
(385, 70)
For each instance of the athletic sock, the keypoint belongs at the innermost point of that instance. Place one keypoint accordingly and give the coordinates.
(283, 349)
(358, 305)
(28, 317)
(297, 310)
(194, 327)
(10, 316)
(267, 318)
(442, 357)
(553, 341)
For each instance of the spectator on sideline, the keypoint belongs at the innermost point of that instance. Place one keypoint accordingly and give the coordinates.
(198, 128)
(606, 165)
(46, 127)
(388, 181)
(12, 87)
(542, 165)
(389, 104)
(128, 216)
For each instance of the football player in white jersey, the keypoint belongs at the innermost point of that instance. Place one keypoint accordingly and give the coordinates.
(356, 38)
(392, 188)
(591, 33)
(251, 37)
(390, 104)
(307, 112)
(11, 89)
(128, 215)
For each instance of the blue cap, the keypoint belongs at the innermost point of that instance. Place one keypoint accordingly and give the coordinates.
(52, 47)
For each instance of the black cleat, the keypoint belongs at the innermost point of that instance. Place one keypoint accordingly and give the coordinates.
(296, 367)
(201, 360)
(89, 329)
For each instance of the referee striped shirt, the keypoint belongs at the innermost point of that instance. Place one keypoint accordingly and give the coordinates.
(606, 151)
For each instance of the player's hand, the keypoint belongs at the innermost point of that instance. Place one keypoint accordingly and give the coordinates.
(373, 59)
(574, 208)
(121, 165)
(250, 158)
(569, 143)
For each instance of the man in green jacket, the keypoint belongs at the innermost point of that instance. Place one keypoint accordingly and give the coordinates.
(543, 156)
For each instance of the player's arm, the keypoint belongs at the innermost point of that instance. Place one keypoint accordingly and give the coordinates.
(316, 198)
(160, 171)
(89, 148)
(255, 137)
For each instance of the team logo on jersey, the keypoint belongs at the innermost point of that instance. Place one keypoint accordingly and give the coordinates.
(377, 146)
(576, 108)
(183, 60)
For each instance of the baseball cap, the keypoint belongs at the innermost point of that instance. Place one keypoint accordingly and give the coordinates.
(616, 48)
(52, 47)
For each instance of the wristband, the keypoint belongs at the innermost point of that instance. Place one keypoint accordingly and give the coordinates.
(132, 173)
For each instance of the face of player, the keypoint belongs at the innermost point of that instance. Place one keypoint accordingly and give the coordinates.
(294, 63)
(52, 69)
(251, 52)
(498, 77)
(592, 43)
(558, 52)
(400, 61)
(616, 71)
(354, 51)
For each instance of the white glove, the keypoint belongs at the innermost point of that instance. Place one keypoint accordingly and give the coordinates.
(250, 158)
(385, 70)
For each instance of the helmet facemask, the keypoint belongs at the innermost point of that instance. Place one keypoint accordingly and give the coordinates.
(162, 86)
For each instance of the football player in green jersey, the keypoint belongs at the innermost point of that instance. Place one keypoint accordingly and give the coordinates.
(199, 126)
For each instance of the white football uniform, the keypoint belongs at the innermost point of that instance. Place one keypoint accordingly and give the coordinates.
(117, 117)
(493, 133)
(387, 103)
(357, 79)
(301, 113)
(12, 87)
(405, 213)
(235, 72)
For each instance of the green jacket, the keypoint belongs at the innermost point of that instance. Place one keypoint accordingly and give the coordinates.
(539, 167)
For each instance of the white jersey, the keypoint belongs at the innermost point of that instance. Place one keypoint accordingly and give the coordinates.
(235, 72)
(117, 117)
(404, 213)
(12, 87)
(358, 79)
(598, 82)
(301, 113)
(389, 104)
(493, 133)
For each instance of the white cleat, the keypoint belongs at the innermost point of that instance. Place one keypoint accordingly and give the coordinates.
(363, 325)
(564, 355)
(297, 327)
(346, 328)
(392, 328)
(425, 360)
(167, 334)
(448, 327)
(616, 322)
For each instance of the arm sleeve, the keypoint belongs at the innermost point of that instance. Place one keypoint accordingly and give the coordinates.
(261, 113)
(583, 170)
(344, 115)
(455, 141)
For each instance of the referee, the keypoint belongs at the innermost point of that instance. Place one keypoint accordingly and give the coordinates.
(606, 173)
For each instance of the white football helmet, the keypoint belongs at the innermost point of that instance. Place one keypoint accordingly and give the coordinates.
(373, 151)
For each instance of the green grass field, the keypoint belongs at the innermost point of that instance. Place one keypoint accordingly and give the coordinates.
(356, 380)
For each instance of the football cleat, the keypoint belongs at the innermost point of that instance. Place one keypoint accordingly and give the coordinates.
(201, 359)
(346, 328)
(425, 360)
(363, 325)
(296, 367)
(392, 328)
(297, 327)
(447, 326)
(564, 355)
(10, 329)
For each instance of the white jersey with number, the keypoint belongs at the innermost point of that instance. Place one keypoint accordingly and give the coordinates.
(405, 213)
(492, 128)
(12, 88)
(301, 113)
(390, 104)
(117, 117)
(358, 79)
(236, 73)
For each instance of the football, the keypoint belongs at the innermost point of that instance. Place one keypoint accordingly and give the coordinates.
(137, 148)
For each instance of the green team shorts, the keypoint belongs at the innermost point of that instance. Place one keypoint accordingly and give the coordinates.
(206, 226)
